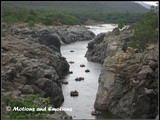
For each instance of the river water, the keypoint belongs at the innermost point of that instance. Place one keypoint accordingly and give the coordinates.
(83, 104)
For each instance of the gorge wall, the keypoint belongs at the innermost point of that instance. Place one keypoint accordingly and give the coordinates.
(32, 62)
(128, 83)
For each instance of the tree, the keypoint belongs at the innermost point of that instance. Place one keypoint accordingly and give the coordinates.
(145, 31)
(121, 24)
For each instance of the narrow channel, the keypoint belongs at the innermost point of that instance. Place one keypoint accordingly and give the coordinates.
(83, 104)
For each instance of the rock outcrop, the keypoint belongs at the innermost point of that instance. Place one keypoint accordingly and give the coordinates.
(128, 83)
(59, 115)
(31, 68)
(106, 44)
(32, 62)
(52, 36)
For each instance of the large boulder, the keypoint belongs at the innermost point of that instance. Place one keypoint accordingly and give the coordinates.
(72, 34)
(52, 41)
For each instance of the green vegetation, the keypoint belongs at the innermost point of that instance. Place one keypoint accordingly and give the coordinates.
(121, 24)
(32, 101)
(31, 23)
(30, 16)
(145, 31)
(70, 12)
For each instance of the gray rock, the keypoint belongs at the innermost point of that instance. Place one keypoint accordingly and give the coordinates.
(59, 115)
(145, 72)
(153, 65)
(127, 87)
(41, 81)
(53, 91)
(16, 92)
(38, 91)
(75, 34)
(27, 89)
(116, 31)
(52, 41)
(149, 91)
(106, 44)
(98, 39)
(26, 62)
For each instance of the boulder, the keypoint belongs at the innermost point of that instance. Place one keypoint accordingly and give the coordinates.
(116, 31)
(98, 39)
(41, 81)
(27, 89)
(52, 41)
(53, 91)
(145, 72)
(153, 65)
(59, 115)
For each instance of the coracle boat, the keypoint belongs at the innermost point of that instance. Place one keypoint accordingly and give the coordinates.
(87, 70)
(74, 93)
(95, 112)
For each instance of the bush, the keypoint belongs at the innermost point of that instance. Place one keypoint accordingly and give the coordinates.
(31, 24)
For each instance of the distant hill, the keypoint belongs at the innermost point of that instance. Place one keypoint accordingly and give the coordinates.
(103, 5)
(71, 12)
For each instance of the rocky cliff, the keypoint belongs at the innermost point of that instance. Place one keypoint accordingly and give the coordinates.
(31, 68)
(32, 62)
(105, 44)
(128, 83)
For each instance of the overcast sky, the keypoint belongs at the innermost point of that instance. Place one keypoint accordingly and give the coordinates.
(151, 2)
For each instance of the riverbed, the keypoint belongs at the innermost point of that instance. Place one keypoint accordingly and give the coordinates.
(83, 104)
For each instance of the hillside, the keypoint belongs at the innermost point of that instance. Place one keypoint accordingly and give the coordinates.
(71, 12)
(109, 6)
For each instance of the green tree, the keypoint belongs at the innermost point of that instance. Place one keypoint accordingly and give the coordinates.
(145, 31)
(121, 24)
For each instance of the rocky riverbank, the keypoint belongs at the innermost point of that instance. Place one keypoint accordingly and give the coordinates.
(32, 62)
(61, 34)
(128, 84)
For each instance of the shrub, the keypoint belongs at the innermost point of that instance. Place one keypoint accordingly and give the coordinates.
(30, 24)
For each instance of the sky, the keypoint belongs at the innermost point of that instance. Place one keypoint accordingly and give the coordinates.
(151, 2)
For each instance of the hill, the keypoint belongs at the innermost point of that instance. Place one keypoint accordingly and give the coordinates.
(103, 5)
(71, 12)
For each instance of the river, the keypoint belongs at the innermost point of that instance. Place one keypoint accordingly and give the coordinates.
(83, 104)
